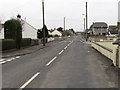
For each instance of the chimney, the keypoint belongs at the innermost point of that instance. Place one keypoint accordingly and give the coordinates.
(19, 17)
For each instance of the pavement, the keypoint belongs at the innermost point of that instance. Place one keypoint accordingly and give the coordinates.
(21, 52)
(65, 64)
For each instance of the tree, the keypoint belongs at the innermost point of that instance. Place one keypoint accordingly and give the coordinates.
(60, 29)
(13, 30)
(40, 32)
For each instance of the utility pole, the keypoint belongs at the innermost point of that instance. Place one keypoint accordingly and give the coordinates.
(86, 19)
(43, 23)
(86, 16)
(64, 23)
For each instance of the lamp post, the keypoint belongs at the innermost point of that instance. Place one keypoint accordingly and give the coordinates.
(43, 23)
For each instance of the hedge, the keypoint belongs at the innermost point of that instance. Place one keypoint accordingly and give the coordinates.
(26, 42)
(8, 44)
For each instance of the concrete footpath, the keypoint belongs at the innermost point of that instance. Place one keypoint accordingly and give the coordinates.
(23, 51)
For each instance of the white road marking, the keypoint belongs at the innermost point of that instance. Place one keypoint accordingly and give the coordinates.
(66, 47)
(61, 52)
(2, 59)
(10, 59)
(51, 61)
(30, 80)
(3, 62)
(17, 57)
(88, 51)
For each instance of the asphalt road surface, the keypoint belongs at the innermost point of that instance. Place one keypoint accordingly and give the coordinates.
(64, 64)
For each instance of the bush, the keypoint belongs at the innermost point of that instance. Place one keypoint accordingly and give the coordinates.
(13, 30)
(56, 35)
(26, 42)
(50, 36)
(34, 42)
(8, 44)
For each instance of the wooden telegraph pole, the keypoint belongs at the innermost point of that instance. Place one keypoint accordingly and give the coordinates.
(86, 16)
(43, 23)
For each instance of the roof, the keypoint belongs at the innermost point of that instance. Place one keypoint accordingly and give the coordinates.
(100, 24)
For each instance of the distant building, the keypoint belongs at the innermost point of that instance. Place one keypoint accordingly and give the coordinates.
(99, 28)
(56, 32)
(112, 28)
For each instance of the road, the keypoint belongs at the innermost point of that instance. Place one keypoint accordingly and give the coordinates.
(65, 64)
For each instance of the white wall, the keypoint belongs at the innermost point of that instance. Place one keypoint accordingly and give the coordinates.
(119, 11)
(2, 33)
(29, 31)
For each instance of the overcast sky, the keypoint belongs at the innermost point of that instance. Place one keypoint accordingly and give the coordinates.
(56, 10)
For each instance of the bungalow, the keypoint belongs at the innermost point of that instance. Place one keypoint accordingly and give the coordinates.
(1, 31)
(99, 28)
(28, 31)
(56, 32)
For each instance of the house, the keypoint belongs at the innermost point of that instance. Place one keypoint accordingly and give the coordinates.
(99, 28)
(28, 31)
(97, 32)
(112, 32)
(112, 28)
(56, 32)
(50, 31)
(1, 31)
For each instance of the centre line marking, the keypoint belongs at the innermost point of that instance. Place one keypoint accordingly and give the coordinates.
(29, 81)
(61, 52)
(51, 61)
(17, 57)
(66, 47)
(10, 59)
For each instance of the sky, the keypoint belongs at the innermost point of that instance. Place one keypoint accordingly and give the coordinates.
(56, 10)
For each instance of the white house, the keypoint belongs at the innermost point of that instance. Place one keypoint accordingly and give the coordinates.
(119, 11)
(1, 31)
(56, 32)
(28, 31)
